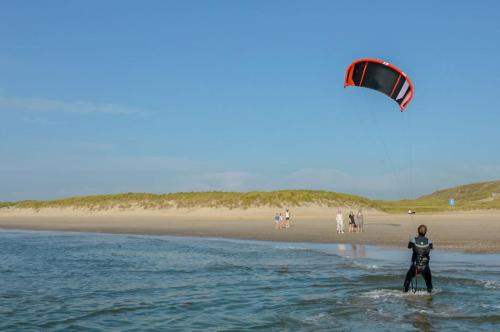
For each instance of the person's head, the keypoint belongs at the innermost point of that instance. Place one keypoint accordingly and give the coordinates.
(422, 230)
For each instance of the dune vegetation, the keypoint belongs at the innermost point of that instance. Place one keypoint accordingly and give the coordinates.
(475, 196)
(200, 199)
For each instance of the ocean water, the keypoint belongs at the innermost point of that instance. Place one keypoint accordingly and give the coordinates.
(59, 281)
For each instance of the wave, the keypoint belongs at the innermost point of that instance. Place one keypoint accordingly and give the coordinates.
(457, 281)
(379, 278)
(491, 284)
(378, 294)
(308, 250)
(364, 266)
(107, 311)
(383, 294)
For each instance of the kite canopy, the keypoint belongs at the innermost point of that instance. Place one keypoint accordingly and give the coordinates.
(381, 76)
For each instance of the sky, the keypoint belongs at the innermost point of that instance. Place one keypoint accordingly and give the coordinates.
(104, 97)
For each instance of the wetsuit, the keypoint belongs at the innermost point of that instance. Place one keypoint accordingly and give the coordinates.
(421, 247)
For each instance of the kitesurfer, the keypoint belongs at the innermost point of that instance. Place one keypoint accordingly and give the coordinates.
(421, 247)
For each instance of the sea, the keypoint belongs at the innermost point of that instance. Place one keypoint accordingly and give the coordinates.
(63, 281)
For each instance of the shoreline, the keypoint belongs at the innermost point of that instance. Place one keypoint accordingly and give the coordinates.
(457, 249)
(354, 243)
(470, 232)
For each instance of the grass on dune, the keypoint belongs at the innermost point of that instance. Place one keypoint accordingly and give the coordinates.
(201, 199)
(468, 197)
(474, 196)
(434, 205)
(6, 204)
(469, 192)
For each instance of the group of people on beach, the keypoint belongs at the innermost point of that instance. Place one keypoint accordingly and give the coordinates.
(356, 222)
(282, 220)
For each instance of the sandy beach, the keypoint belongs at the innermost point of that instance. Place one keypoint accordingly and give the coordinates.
(469, 231)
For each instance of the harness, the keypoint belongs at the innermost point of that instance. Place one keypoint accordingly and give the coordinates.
(414, 280)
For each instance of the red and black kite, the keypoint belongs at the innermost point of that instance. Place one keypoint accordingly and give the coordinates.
(380, 76)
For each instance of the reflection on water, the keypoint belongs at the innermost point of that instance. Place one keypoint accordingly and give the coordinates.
(420, 321)
(352, 250)
(70, 281)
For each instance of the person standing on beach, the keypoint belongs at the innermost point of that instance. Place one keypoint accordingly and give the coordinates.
(340, 222)
(276, 221)
(352, 223)
(287, 218)
(281, 221)
(420, 258)
(360, 221)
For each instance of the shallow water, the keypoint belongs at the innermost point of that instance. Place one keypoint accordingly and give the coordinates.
(80, 281)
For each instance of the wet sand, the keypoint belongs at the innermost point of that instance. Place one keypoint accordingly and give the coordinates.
(472, 231)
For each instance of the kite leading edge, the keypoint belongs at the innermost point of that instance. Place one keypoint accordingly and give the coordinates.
(381, 76)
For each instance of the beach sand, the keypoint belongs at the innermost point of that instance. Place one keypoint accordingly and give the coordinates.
(470, 231)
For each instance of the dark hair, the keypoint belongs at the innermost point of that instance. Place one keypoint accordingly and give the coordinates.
(422, 230)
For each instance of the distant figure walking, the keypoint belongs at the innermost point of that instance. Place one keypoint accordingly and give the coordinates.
(287, 218)
(282, 224)
(352, 223)
(360, 221)
(276, 221)
(340, 222)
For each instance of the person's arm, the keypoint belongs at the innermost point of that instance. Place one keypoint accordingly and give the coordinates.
(431, 246)
(411, 243)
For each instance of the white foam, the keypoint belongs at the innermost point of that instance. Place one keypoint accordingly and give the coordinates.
(316, 318)
(383, 293)
(420, 292)
(378, 294)
(436, 313)
(492, 284)
(365, 266)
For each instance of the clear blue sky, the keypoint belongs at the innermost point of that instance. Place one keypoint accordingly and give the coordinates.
(165, 96)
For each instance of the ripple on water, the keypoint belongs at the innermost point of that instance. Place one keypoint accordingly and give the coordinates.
(64, 281)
